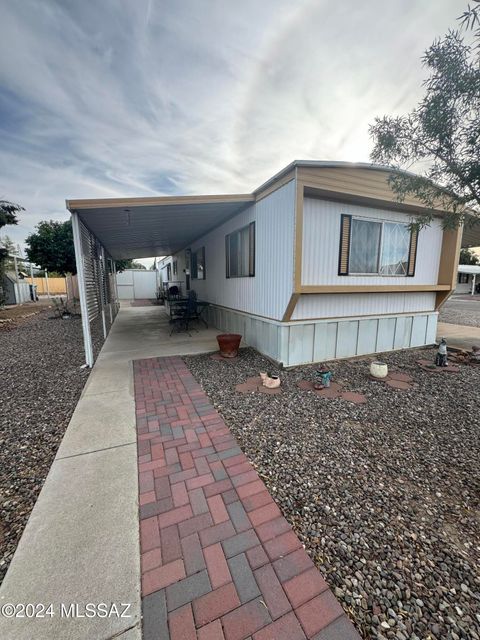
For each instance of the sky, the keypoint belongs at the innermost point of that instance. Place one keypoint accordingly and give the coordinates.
(131, 98)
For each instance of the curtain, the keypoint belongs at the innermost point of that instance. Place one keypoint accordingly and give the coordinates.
(365, 246)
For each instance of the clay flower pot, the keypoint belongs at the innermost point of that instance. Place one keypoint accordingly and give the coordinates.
(379, 369)
(229, 344)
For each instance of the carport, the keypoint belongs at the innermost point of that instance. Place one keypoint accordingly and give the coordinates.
(105, 230)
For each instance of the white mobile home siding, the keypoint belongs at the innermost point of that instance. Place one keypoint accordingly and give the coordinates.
(267, 293)
(343, 305)
(321, 240)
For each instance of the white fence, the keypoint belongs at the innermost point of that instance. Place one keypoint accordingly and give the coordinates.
(137, 284)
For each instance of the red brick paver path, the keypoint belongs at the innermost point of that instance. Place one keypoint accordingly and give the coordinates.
(219, 561)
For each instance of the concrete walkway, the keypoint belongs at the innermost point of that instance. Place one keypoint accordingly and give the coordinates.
(81, 542)
(459, 336)
(219, 561)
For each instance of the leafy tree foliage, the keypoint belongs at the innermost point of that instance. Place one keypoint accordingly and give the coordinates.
(51, 247)
(9, 212)
(468, 257)
(442, 132)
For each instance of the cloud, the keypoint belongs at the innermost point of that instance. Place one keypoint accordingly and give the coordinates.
(152, 97)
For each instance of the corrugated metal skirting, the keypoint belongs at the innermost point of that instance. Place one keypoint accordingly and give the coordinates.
(316, 341)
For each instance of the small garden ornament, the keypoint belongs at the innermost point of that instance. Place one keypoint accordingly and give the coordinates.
(270, 381)
(441, 357)
(379, 369)
(323, 378)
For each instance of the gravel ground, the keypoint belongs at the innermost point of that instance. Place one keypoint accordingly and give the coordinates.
(385, 496)
(40, 383)
(461, 311)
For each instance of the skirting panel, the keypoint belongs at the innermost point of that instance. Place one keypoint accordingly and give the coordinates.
(315, 341)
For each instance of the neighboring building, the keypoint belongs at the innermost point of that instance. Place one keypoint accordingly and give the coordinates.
(468, 279)
(16, 290)
(317, 263)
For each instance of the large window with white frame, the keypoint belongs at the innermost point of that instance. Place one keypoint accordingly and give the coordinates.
(240, 252)
(379, 247)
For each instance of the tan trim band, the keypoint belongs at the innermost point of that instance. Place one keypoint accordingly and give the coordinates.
(294, 298)
(373, 288)
(297, 267)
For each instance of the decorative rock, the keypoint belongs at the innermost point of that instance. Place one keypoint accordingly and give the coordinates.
(398, 384)
(339, 471)
(356, 398)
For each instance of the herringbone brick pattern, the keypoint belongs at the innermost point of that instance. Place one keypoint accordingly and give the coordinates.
(219, 561)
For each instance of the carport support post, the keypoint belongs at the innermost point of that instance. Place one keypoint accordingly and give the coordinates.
(473, 284)
(87, 336)
(102, 289)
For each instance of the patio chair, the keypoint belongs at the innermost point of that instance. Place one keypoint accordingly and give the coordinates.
(186, 315)
(173, 292)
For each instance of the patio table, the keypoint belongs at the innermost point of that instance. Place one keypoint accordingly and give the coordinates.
(176, 307)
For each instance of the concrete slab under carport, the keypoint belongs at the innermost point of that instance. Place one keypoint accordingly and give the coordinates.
(81, 543)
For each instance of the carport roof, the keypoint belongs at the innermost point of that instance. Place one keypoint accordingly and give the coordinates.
(143, 227)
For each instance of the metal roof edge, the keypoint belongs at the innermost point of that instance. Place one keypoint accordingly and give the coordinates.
(99, 203)
(332, 164)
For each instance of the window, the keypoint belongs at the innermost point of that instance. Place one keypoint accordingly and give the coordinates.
(198, 264)
(376, 247)
(365, 246)
(395, 249)
(240, 252)
(169, 271)
(174, 263)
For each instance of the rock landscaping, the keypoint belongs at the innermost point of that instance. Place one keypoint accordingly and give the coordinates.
(40, 380)
(384, 495)
(454, 312)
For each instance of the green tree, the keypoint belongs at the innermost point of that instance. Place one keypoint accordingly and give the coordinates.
(7, 244)
(468, 257)
(8, 215)
(51, 246)
(9, 212)
(442, 132)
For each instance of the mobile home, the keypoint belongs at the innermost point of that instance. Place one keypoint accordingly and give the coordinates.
(317, 263)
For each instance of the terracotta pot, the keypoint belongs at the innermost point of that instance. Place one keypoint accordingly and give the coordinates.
(379, 370)
(229, 344)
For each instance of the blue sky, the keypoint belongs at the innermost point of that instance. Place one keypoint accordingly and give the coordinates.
(142, 97)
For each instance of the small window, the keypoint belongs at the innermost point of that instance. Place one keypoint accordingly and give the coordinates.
(198, 264)
(174, 263)
(240, 252)
(169, 271)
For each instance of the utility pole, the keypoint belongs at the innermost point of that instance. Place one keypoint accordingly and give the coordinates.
(46, 283)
